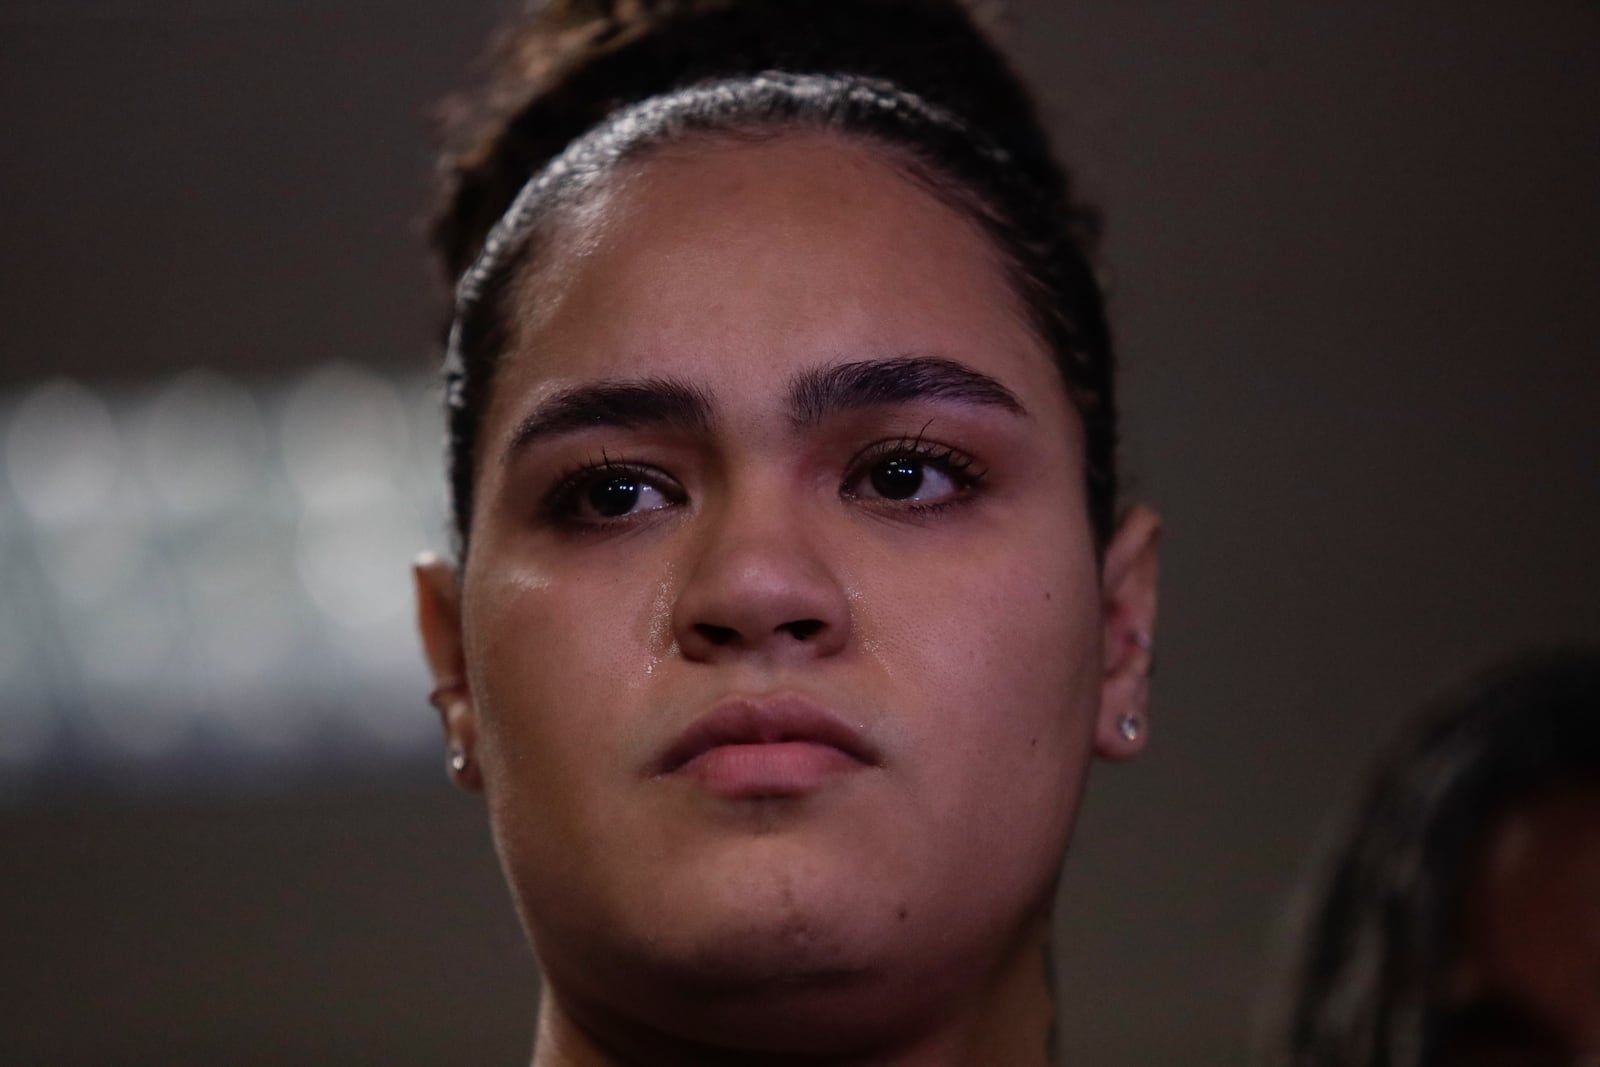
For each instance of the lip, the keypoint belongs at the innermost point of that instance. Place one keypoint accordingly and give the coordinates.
(748, 747)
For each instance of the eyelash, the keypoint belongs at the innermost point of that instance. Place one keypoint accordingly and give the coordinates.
(560, 505)
(960, 467)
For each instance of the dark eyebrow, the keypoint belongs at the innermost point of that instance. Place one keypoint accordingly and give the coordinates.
(625, 404)
(816, 394)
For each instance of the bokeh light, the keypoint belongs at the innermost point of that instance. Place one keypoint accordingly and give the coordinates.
(202, 568)
(62, 453)
(344, 437)
(204, 443)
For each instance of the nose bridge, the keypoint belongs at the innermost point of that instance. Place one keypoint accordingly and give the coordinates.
(762, 578)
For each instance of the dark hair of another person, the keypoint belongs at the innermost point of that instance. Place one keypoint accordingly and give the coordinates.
(582, 87)
(1387, 931)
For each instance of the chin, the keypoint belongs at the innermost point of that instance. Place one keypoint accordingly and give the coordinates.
(775, 912)
(788, 986)
(774, 949)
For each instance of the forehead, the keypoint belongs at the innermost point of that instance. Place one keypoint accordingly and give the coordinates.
(750, 258)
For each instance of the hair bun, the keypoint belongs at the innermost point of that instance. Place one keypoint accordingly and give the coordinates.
(561, 70)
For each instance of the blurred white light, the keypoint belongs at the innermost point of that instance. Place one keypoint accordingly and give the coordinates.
(354, 562)
(136, 689)
(244, 601)
(426, 479)
(226, 570)
(385, 648)
(127, 641)
(344, 437)
(89, 562)
(262, 722)
(62, 453)
(16, 646)
(426, 404)
(27, 725)
(392, 708)
(27, 729)
(401, 724)
(204, 443)
(143, 723)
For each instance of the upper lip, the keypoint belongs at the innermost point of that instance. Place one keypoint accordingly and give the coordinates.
(765, 721)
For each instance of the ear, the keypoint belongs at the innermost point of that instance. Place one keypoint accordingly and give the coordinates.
(1128, 606)
(439, 621)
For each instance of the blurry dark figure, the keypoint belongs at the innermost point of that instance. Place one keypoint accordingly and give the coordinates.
(1461, 924)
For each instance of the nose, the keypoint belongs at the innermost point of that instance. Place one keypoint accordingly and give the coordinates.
(760, 585)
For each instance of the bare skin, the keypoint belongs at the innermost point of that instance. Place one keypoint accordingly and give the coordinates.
(1533, 930)
(692, 501)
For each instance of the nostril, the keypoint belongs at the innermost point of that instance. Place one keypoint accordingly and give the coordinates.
(717, 635)
(802, 629)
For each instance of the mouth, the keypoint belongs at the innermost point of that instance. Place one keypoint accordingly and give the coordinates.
(746, 748)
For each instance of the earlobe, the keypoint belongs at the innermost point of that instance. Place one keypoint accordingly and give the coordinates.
(439, 623)
(1128, 604)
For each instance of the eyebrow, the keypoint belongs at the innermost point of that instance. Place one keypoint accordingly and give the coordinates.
(626, 405)
(814, 395)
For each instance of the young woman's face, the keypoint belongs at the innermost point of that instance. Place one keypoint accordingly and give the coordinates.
(784, 644)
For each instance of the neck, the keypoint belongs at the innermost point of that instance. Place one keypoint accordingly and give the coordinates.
(1008, 1020)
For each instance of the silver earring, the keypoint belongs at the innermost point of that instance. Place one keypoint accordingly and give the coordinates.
(458, 759)
(1145, 643)
(1129, 727)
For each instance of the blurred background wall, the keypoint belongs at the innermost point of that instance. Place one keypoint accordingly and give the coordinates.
(1356, 251)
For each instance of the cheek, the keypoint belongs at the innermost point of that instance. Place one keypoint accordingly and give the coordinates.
(1003, 650)
(1009, 614)
(558, 657)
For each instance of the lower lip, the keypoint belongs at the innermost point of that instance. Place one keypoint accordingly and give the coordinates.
(776, 769)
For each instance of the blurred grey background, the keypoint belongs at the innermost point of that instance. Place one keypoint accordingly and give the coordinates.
(1356, 251)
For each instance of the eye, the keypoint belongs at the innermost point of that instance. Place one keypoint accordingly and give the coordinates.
(609, 493)
(906, 478)
(911, 472)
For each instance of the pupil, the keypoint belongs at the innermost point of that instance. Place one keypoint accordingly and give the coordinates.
(614, 497)
(897, 479)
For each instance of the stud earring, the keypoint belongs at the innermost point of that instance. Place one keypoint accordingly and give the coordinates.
(458, 760)
(1130, 728)
(1145, 643)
